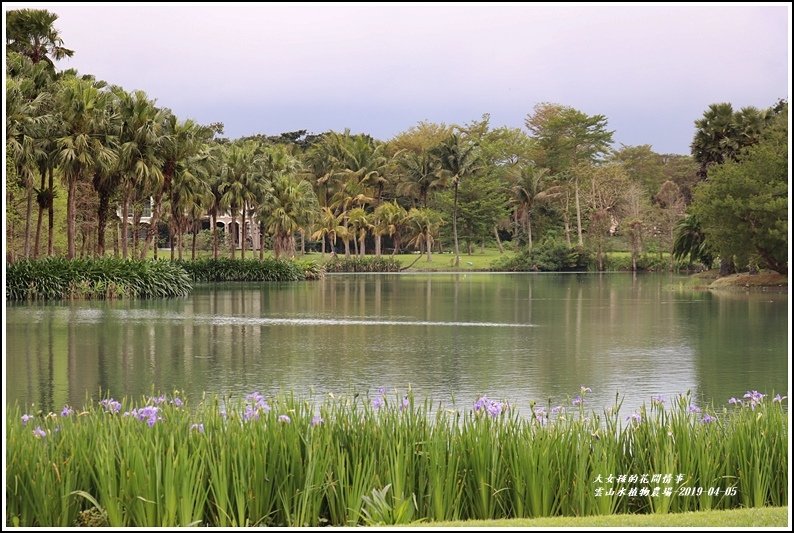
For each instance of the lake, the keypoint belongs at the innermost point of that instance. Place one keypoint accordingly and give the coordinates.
(519, 337)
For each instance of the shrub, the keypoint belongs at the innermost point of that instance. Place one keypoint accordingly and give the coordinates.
(219, 270)
(363, 264)
(104, 278)
(550, 255)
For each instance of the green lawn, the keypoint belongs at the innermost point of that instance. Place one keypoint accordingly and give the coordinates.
(757, 517)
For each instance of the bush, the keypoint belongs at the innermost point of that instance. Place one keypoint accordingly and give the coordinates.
(550, 255)
(104, 278)
(363, 264)
(218, 270)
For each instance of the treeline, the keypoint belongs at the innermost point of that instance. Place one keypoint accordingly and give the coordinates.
(77, 148)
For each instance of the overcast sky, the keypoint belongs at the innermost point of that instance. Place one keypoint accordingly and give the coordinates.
(382, 68)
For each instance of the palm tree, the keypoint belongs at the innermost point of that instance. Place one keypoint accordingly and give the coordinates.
(237, 186)
(27, 120)
(716, 139)
(85, 145)
(419, 175)
(328, 227)
(179, 142)
(214, 163)
(458, 160)
(288, 207)
(423, 225)
(30, 32)
(527, 188)
(690, 240)
(189, 193)
(353, 193)
(387, 220)
(364, 162)
(357, 218)
(140, 163)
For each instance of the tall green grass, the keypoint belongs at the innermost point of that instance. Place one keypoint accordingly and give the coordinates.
(219, 270)
(104, 278)
(383, 460)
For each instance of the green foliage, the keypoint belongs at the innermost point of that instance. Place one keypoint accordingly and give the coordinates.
(690, 242)
(219, 270)
(743, 207)
(621, 262)
(550, 255)
(280, 461)
(363, 264)
(57, 278)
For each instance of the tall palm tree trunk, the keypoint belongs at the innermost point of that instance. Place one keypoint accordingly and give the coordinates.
(71, 207)
(125, 214)
(261, 241)
(193, 246)
(529, 231)
(377, 245)
(28, 218)
(214, 235)
(102, 220)
(578, 210)
(243, 237)
(51, 210)
(233, 233)
(454, 229)
(40, 201)
(39, 220)
(151, 234)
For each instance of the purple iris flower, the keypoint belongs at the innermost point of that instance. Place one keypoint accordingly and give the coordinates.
(39, 433)
(110, 405)
(317, 420)
(284, 419)
(67, 411)
(25, 419)
(377, 402)
(197, 427)
(405, 403)
(708, 419)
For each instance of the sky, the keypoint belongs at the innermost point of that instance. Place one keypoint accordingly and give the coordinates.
(380, 69)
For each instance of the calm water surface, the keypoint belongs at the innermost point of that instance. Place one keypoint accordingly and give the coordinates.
(519, 337)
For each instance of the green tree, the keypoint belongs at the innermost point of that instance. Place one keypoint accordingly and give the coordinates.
(722, 134)
(85, 145)
(743, 206)
(328, 227)
(288, 208)
(30, 32)
(458, 160)
(423, 226)
(566, 139)
(529, 186)
(237, 187)
(643, 166)
(27, 124)
(387, 219)
(691, 241)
